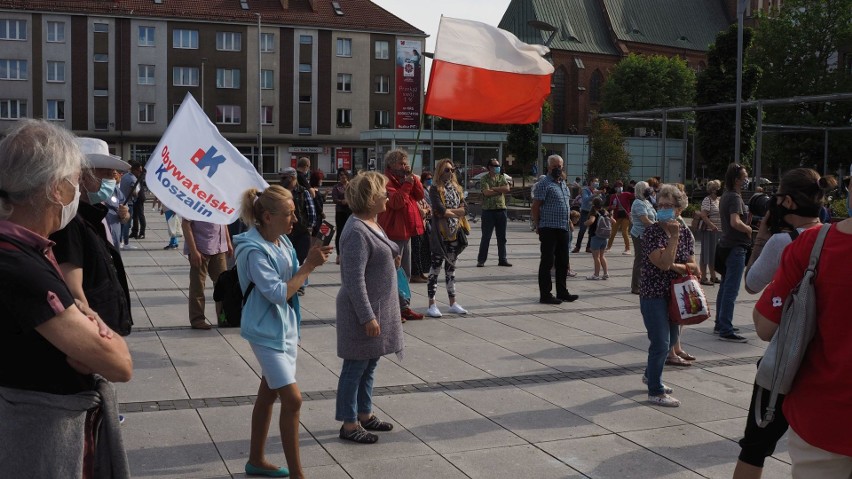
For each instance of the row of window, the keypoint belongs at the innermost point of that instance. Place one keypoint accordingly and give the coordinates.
(225, 114)
(344, 48)
(381, 83)
(182, 38)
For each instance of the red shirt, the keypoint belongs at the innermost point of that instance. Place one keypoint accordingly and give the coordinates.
(401, 220)
(818, 406)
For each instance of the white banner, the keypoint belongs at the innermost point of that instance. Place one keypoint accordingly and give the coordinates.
(196, 172)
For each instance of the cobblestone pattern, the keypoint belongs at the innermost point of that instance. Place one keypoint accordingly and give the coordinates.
(171, 405)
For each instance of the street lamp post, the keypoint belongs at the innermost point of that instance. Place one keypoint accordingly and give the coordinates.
(259, 101)
(544, 27)
(203, 63)
(741, 6)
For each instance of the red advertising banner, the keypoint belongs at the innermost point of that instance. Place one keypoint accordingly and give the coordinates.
(408, 84)
(344, 158)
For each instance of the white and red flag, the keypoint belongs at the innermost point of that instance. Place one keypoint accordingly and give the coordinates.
(484, 74)
(196, 172)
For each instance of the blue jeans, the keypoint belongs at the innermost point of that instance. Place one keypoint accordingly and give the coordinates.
(662, 333)
(125, 227)
(729, 288)
(355, 389)
(493, 219)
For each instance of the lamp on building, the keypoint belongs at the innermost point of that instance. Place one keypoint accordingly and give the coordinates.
(741, 7)
(543, 27)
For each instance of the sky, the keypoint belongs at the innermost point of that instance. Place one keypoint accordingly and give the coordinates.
(426, 14)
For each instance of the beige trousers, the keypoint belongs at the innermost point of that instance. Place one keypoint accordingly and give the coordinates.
(213, 266)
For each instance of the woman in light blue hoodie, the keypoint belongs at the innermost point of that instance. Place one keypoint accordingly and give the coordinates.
(270, 275)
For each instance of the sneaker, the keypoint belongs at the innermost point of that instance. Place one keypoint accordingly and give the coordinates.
(433, 311)
(121, 418)
(549, 300)
(716, 329)
(733, 338)
(572, 273)
(301, 291)
(129, 246)
(575, 250)
(505, 263)
(665, 400)
(666, 389)
(593, 277)
(359, 435)
(627, 253)
(457, 309)
(411, 315)
(605, 276)
(480, 265)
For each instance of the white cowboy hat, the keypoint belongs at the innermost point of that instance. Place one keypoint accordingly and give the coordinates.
(97, 152)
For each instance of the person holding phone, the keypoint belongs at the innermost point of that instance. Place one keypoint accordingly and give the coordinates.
(271, 317)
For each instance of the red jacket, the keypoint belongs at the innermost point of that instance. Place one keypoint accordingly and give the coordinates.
(402, 218)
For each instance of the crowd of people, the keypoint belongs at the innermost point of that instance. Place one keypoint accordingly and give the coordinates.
(67, 211)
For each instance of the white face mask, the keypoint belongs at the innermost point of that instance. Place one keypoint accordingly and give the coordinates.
(69, 211)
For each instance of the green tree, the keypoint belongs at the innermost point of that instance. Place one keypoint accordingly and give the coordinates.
(522, 141)
(641, 82)
(609, 157)
(797, 50)
(718, 84)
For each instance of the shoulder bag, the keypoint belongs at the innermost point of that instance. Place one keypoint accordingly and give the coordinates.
(788, 346)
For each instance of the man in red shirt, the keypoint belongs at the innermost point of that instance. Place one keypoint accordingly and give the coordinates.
(401, 221)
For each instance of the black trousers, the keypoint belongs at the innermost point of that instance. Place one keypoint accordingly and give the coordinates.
(554, 252)
(138, 214)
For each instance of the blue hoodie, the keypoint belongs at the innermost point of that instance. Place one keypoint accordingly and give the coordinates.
(267, 318)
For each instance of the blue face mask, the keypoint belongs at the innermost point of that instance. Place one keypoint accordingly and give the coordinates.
(666, 214)
(849, 204)
(103, 194)
(497, 170)
(427, 182)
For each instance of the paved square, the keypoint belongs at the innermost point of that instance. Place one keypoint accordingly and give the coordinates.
(513, 389)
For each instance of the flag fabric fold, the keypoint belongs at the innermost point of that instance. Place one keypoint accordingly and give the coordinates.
(196, 172)
(484, 74)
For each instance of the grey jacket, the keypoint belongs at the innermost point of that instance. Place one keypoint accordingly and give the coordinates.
(368, 291)
(42, 435)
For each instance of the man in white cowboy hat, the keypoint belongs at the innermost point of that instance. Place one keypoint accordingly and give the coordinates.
(85, 249)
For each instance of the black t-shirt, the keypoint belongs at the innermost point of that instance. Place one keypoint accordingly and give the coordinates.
(32, 292)
(83, 243)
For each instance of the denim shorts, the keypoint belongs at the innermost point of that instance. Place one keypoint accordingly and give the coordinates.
(598, 243)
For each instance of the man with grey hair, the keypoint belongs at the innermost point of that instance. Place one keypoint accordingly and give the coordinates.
(550, 210)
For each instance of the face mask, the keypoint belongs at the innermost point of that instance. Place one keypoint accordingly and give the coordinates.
(619, 189)
(666, 214)
(427, 182)
(497, 170)
(69, 211)
(556, 173)
(849, 205)
(596, 185)
(745, 184)
(103, 194)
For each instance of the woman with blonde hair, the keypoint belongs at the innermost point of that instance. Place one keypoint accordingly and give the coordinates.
(368, 325)
(270, 276)
(449, 234)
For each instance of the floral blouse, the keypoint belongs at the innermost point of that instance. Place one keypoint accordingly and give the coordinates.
(654, 282)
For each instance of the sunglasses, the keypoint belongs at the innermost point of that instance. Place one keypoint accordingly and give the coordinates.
(449, 170)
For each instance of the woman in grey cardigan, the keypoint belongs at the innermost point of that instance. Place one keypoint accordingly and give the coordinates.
(368, 325)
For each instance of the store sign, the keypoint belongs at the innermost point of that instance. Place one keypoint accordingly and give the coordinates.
(408, 84)
(305, 149)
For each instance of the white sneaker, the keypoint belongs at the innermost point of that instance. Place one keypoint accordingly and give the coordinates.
(457, 309)
(433, 311)
(666, 389)
(593, 277)
(665, 400)
(605, 276)
(627, 253)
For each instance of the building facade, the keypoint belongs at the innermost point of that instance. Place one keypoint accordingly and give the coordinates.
(280, 79)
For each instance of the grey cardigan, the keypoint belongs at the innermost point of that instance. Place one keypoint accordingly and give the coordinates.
(368, 291)
(42, 435)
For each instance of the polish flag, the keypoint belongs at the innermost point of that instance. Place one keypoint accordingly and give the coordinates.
(484, 74)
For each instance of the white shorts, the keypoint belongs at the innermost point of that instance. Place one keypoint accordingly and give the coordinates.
(278, 367)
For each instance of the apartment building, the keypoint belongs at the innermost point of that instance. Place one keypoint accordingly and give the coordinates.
(281, 79)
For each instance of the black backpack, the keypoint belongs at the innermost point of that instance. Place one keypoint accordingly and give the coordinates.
(227, 290)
